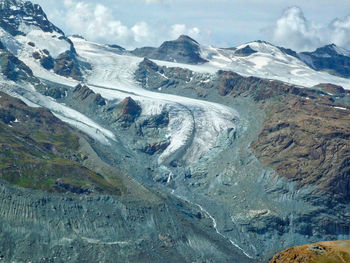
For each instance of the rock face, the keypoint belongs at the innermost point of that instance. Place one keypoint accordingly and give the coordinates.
(334, 251)
(117, 48)
(13, 68)
(67, 65)
(105, 229)
(182, 50)
(329, 58)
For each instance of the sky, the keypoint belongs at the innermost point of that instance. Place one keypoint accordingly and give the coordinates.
(302, 25)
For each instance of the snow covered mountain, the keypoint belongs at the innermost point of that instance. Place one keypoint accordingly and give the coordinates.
(258, 58)
(221, 134)
(330, 58)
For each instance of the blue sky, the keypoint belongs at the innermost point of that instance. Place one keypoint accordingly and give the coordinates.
(300, 25)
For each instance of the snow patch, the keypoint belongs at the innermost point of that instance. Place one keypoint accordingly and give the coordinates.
(340, 108)
(44, 40)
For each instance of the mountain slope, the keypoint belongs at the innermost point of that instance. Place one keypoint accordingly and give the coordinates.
(131, 223)
(38, 151)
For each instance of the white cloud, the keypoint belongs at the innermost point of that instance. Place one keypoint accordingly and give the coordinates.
(97, 23)
(340, 31)
(156, 1)
(181, 29)
(142, 32)
(67, 3)
(293, 30)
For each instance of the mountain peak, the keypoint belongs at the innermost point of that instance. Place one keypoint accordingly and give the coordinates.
(186, 38)
(331, 49)
(182, 50)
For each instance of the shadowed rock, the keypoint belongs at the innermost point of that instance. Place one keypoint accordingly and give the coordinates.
(244, 52)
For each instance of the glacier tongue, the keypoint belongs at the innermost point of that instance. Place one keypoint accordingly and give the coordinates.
(194, 125)
(26, 93)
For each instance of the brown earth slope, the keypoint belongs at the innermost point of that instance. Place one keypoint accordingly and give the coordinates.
(323, 252)
(306, 135)
(308, 141)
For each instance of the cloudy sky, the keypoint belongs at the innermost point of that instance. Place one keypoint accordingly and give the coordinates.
(300, 24)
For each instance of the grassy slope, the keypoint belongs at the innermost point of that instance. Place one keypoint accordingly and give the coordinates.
(39, 151)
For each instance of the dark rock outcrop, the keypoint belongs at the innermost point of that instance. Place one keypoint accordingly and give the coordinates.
(129, 110)
(156, 121)
(67, 65)
(45, 59)
(331, 88)
(143, 51)
(117, 48)
(125, 113)
(244, 52)
(83, 93)
(230, 83)
(182, 50)
(157, 147)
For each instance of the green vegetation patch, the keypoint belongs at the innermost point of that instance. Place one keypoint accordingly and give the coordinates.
(39, 151)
